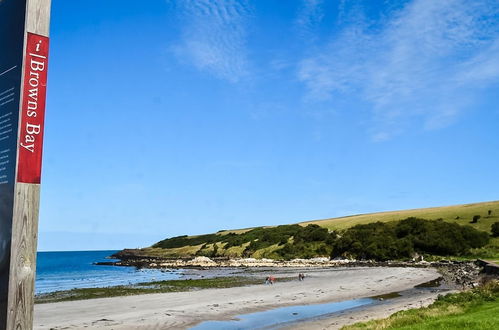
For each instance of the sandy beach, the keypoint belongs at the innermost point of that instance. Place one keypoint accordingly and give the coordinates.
(181, 310)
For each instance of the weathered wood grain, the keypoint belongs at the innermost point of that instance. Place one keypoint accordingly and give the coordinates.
(25, 215)
(23, 256)
(38, 17)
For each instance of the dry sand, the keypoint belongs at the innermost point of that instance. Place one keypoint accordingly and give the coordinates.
(180, 310)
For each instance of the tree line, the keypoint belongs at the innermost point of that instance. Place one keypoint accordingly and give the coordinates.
(378, 240)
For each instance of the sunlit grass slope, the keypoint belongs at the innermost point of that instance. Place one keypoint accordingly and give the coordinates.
(461, 214)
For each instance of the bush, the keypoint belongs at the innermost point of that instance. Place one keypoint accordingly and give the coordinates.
(303, 250)
(305, 241)
(372, 241)
(495, 229)
(399, 240)
(185, 240)
(311, 233)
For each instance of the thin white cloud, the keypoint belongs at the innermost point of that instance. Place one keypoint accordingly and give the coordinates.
(482, 68)
(310, 15)
(213, 37)
(424, 62)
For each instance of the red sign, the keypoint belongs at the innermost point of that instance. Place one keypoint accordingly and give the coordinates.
(33, 109)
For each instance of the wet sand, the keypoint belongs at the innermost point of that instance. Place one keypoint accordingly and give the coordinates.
(408, 300)
(181, 310)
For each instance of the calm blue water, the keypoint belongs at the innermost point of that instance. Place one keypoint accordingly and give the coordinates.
(75, 269)
(280, 317)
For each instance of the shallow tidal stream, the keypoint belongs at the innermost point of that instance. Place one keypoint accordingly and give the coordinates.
(285, 316)
(279, 317)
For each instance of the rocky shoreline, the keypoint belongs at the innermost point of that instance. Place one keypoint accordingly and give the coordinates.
(462, 274)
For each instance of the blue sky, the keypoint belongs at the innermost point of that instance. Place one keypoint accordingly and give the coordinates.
(186, 117)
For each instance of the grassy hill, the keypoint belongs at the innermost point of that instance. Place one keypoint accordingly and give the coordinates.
(460, 214)
(269, 242)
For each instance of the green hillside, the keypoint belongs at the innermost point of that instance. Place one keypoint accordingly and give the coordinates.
(461, 214)
(318, 238)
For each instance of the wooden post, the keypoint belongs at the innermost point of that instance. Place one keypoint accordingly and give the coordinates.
(21, 150)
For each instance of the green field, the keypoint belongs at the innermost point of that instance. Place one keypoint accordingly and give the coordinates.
(475, 309)
(465, 212)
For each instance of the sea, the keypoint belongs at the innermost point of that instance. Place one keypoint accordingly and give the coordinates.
(68, 270)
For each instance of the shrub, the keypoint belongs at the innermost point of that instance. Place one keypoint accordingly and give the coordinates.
(372, 241)
(303, 250)
(185, 240)
(399, 240)
(259, 238)
(311, 233)
(495, 229)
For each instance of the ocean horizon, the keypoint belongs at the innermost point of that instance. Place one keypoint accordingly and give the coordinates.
(66, 270)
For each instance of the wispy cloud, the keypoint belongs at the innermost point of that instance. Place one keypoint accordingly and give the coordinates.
(213, 37)
(425, 62)
(310, 15)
